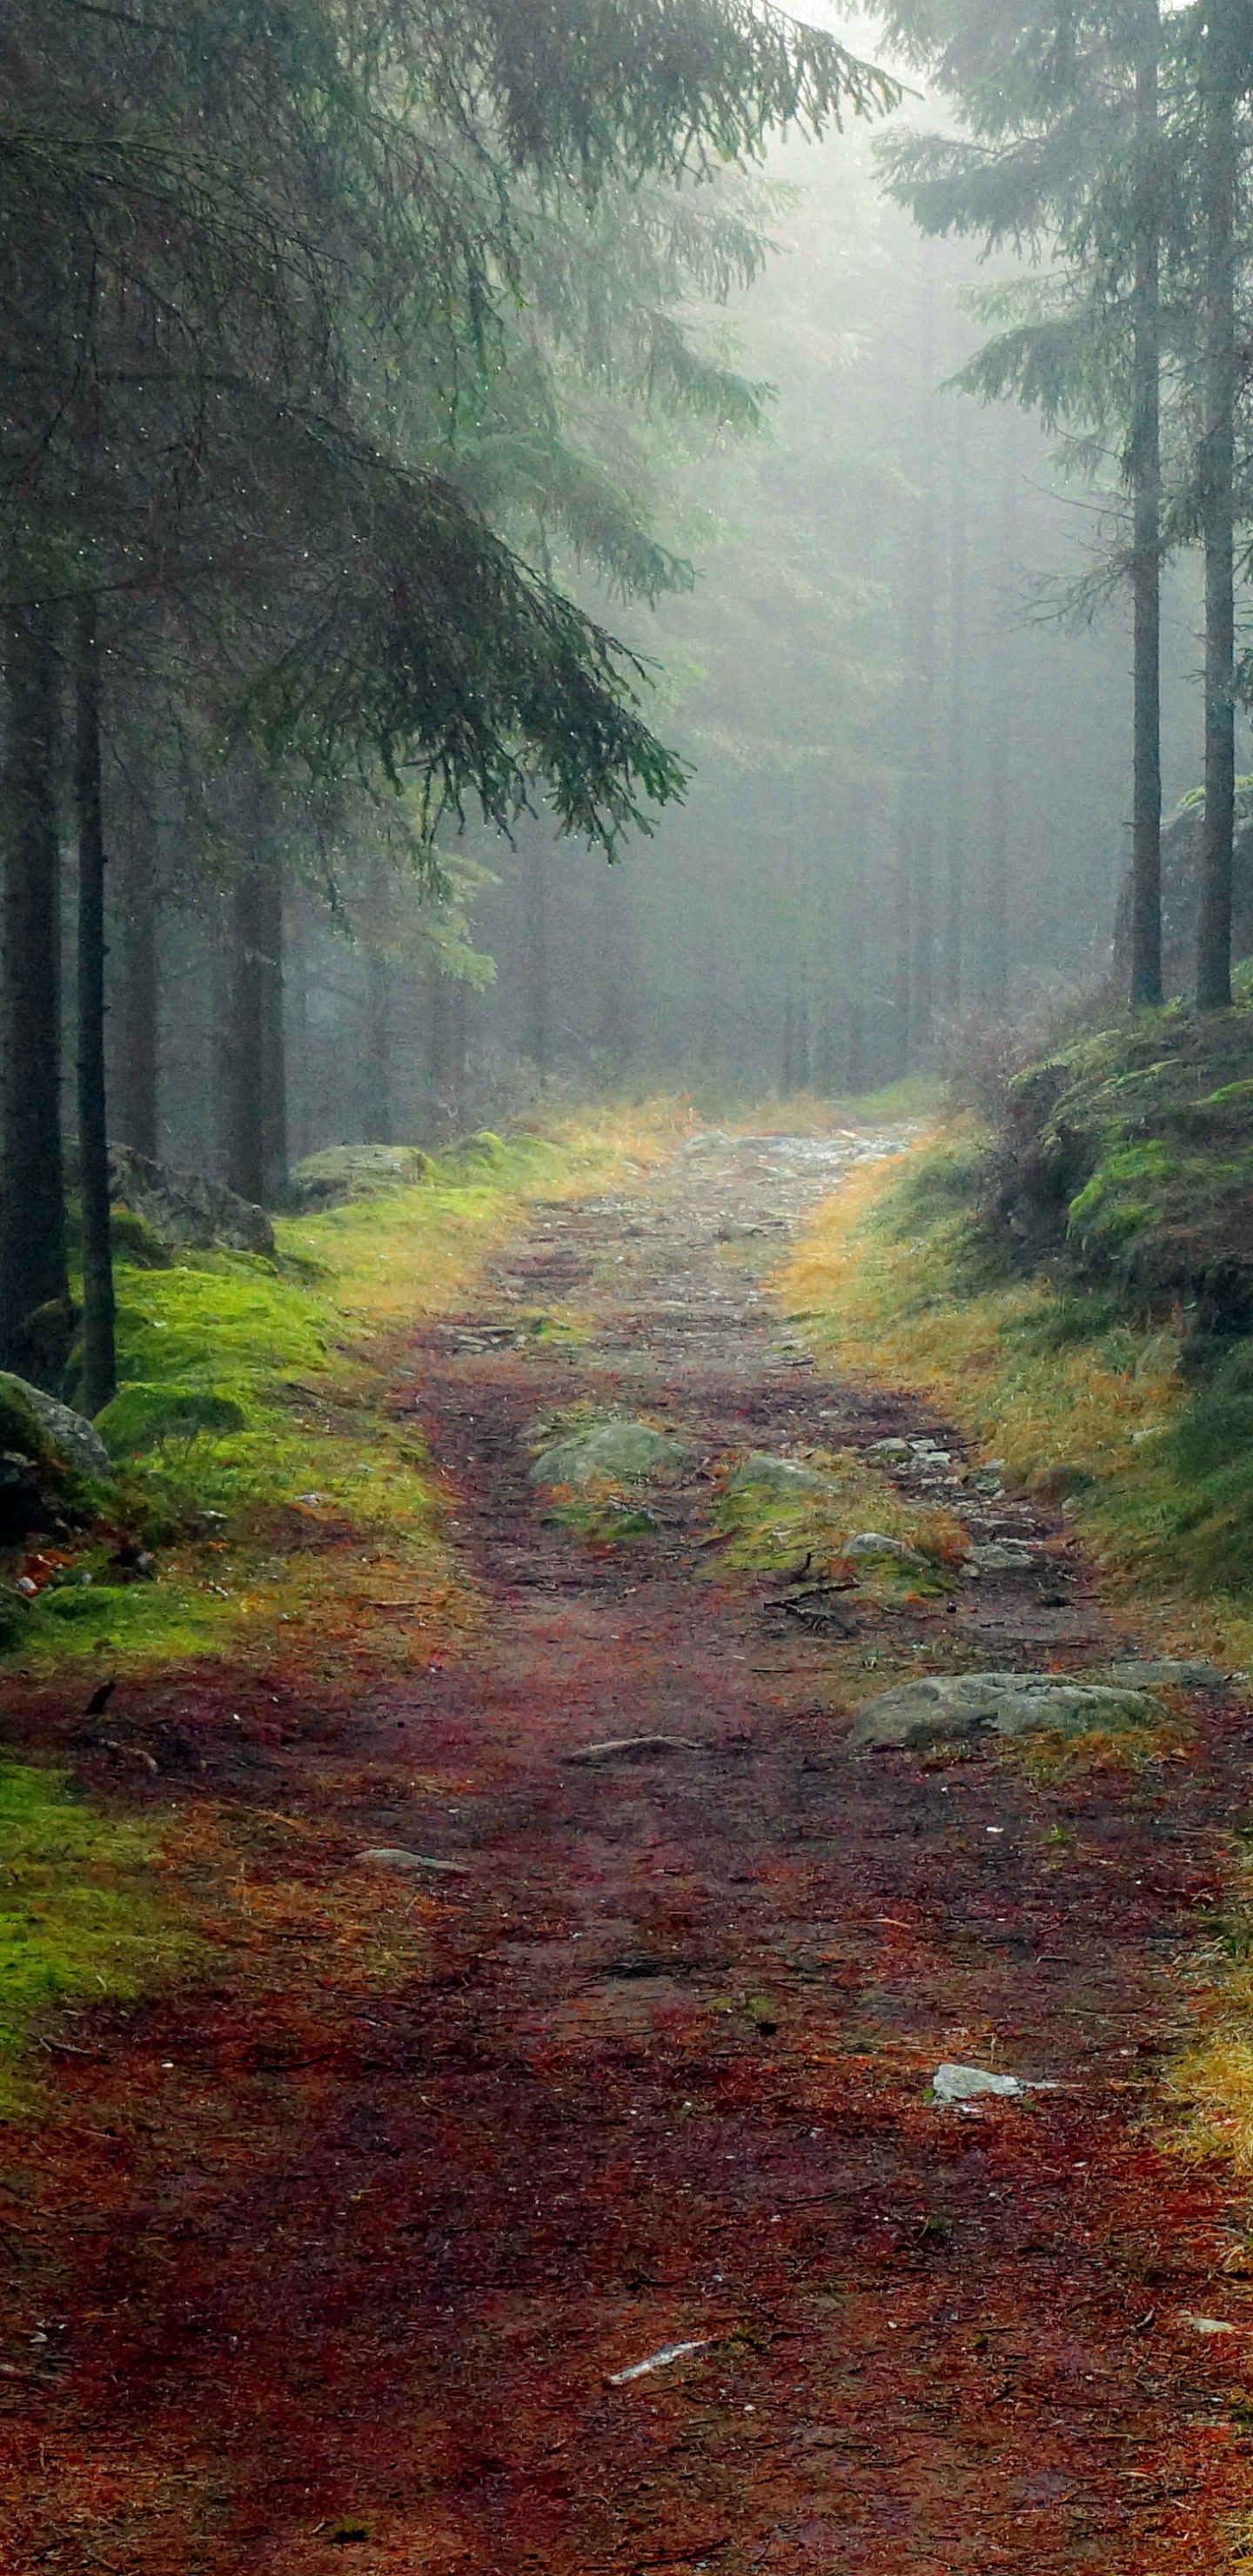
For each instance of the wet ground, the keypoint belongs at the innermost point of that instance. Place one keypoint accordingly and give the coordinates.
(335, 2269)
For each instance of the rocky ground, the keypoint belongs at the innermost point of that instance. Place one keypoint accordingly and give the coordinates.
(315, 2269)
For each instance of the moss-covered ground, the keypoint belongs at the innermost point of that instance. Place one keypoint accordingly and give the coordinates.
(79, 1912)
(256, 1456)
(287, 1509)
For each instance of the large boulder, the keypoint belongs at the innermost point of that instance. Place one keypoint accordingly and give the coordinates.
(623, 1453)
(77, 1439)
(187, 1207)
(951, 1707)
(39, 1440)
(343, 1172)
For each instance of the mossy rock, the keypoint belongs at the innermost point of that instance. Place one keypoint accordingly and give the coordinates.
(484, 1148)
(14, 1622)
(136, 1244)
(142, 1416)
(83, 1601)
(785, 1479)
(619, 1453)
(343, 1172)
(21, 1430)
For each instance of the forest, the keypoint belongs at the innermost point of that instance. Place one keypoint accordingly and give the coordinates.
(626, 1289)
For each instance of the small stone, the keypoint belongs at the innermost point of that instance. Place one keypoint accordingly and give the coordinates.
(386, 1856)
(877, 1543)
(951, 2083)
(633, 1748)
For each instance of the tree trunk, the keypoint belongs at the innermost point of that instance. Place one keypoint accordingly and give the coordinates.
(955, 869)
(378, 1051)
(617, 1032)
(98, 1381)
(257, 1087)
(379, 1122)
(900, 1053)
(538, 1034)
(854, 967)
(1146, 830)
(1213, 981)
(1002, 699)
(923, 1001)
(32, 1198)
(135, 1107)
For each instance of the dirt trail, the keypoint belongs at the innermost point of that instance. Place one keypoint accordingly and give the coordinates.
(341, 2277)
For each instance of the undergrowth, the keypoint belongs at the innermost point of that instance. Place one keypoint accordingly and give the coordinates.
(1081, 1401)
(768, 1522)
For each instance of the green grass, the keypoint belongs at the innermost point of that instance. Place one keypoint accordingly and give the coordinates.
(1080, 1396)
(79, 1915)
(251, 1436)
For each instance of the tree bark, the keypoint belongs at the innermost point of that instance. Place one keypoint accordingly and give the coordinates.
(256, 1085)
(997, 892)
(378, 1051)
(138, 1048)
(98, 1379)
(922, 1006)
(32, 1198)
(538, 1033)
(1146, 830)
(900, 1053)
(955, 869)
(1213, 981)
(378, 1121)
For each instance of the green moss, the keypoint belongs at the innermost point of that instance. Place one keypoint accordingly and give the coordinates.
(143, 1416)
(21, 1429)
(78, 1911)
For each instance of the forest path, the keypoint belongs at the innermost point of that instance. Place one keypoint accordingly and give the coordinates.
(364, 2260)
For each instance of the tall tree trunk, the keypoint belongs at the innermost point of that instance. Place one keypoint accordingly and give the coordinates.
(138, 1048)
(98, 1383)
(378, 1121)
(32, 1196)
(997, 893)
(378, 1050)
(1146, 830)
(617, 1033)
(955, 870)
(537, 929)
(923, 1003)
(1213, 980)
(257, 1078)
(900, 1051)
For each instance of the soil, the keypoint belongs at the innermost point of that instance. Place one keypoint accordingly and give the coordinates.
(336, 2257)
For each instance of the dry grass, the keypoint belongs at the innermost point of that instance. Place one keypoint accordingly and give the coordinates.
(892, 1308)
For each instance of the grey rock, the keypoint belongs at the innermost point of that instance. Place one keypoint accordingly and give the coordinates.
(952, 2083)
(187, 1207)
(69, 1432)
(890, 1449)
(1168, 1668)
(386, 1856)
(946, 1708)
(786, 1477)
(625, 1453)
(995, 1553)
(877, 1543)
